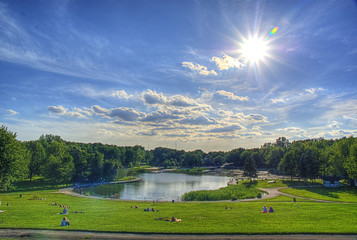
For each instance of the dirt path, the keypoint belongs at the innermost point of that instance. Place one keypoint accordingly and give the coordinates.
(51, 234)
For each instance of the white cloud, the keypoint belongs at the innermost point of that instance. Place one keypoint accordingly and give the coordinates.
(225, 129)
(121, 94)
(159, 117)
(334, 125)
(295, 130)
(197, 120)
(12, 112)
(153, 98)
(60, 110)
(202, 70)
(227, 62)
(124, 113)
(57, 109)
(231, 95)
(278, 100)
(99, 110)
(250, 118)
(314, 90)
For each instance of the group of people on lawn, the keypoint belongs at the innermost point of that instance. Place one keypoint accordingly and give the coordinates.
(271, 210)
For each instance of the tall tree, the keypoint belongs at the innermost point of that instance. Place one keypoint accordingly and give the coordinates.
(274, 156)
(59, 165)
(250, 168)
(351, 164)
(235, 157)
(37, 158)
(14, 159)
(289, 163)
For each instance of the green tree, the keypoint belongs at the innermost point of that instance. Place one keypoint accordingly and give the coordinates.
(274, 156)
(289, 163)
(250, 168)
(235, 157)
(96, 162)
(192, 159)
(37, 158)
(351, 164)
(59, 167)
(14, 159)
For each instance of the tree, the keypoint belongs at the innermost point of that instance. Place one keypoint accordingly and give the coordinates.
(37, 158)
(274, 156)
(282, 142)
(250, 169)
(192, 159)
(14, 159)
(96, 162)
(235, 157)
(289, 163)
(351, 164)
(59, 167)
(309, 163)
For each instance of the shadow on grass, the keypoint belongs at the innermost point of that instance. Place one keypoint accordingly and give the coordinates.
(333, 192)
(250, 184)
(295, 183)
(35, 185)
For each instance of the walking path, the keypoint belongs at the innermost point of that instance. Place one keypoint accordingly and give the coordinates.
(52, 234)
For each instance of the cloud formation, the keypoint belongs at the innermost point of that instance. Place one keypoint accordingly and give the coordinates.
(202, 70)
(12, 112)
(231, 95)
(60, 110)
(226, 62)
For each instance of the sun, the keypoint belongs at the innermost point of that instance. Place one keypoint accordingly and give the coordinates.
(254, 49)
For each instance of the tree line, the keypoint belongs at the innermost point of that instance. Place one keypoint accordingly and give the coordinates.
(60, 161)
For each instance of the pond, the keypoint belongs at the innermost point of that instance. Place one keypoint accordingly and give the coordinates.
(159, 186)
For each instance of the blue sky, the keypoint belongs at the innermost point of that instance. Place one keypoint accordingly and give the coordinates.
(176, 73)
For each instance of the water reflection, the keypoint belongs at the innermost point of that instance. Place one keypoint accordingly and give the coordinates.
(159, 186)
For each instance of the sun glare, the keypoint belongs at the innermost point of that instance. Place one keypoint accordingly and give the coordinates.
(254, 49)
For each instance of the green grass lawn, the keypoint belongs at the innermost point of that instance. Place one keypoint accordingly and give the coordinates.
(343, 194)
(197, 217)
(283, 183)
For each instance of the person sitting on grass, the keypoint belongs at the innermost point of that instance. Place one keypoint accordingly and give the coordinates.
(65, 222)
(271, 209)
(65, 211)
(264, 209)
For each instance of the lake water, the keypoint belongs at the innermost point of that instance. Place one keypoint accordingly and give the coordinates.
(160, 186)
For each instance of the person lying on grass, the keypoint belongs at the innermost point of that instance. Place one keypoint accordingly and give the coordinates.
(173, 219)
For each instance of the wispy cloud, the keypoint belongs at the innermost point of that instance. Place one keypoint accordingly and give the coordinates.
(49, 51)
(12, 112)
(231, 95)
(202, 70)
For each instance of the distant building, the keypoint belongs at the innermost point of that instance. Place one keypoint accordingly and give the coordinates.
(331, 181)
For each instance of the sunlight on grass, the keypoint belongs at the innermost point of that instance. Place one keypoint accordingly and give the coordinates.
(344, 194)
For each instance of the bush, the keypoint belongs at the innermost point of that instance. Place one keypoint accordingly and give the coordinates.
(231, 192)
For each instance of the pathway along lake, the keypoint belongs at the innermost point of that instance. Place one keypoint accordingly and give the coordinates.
(159, 186)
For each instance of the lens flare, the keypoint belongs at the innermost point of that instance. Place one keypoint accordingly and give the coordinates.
(273, 31)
